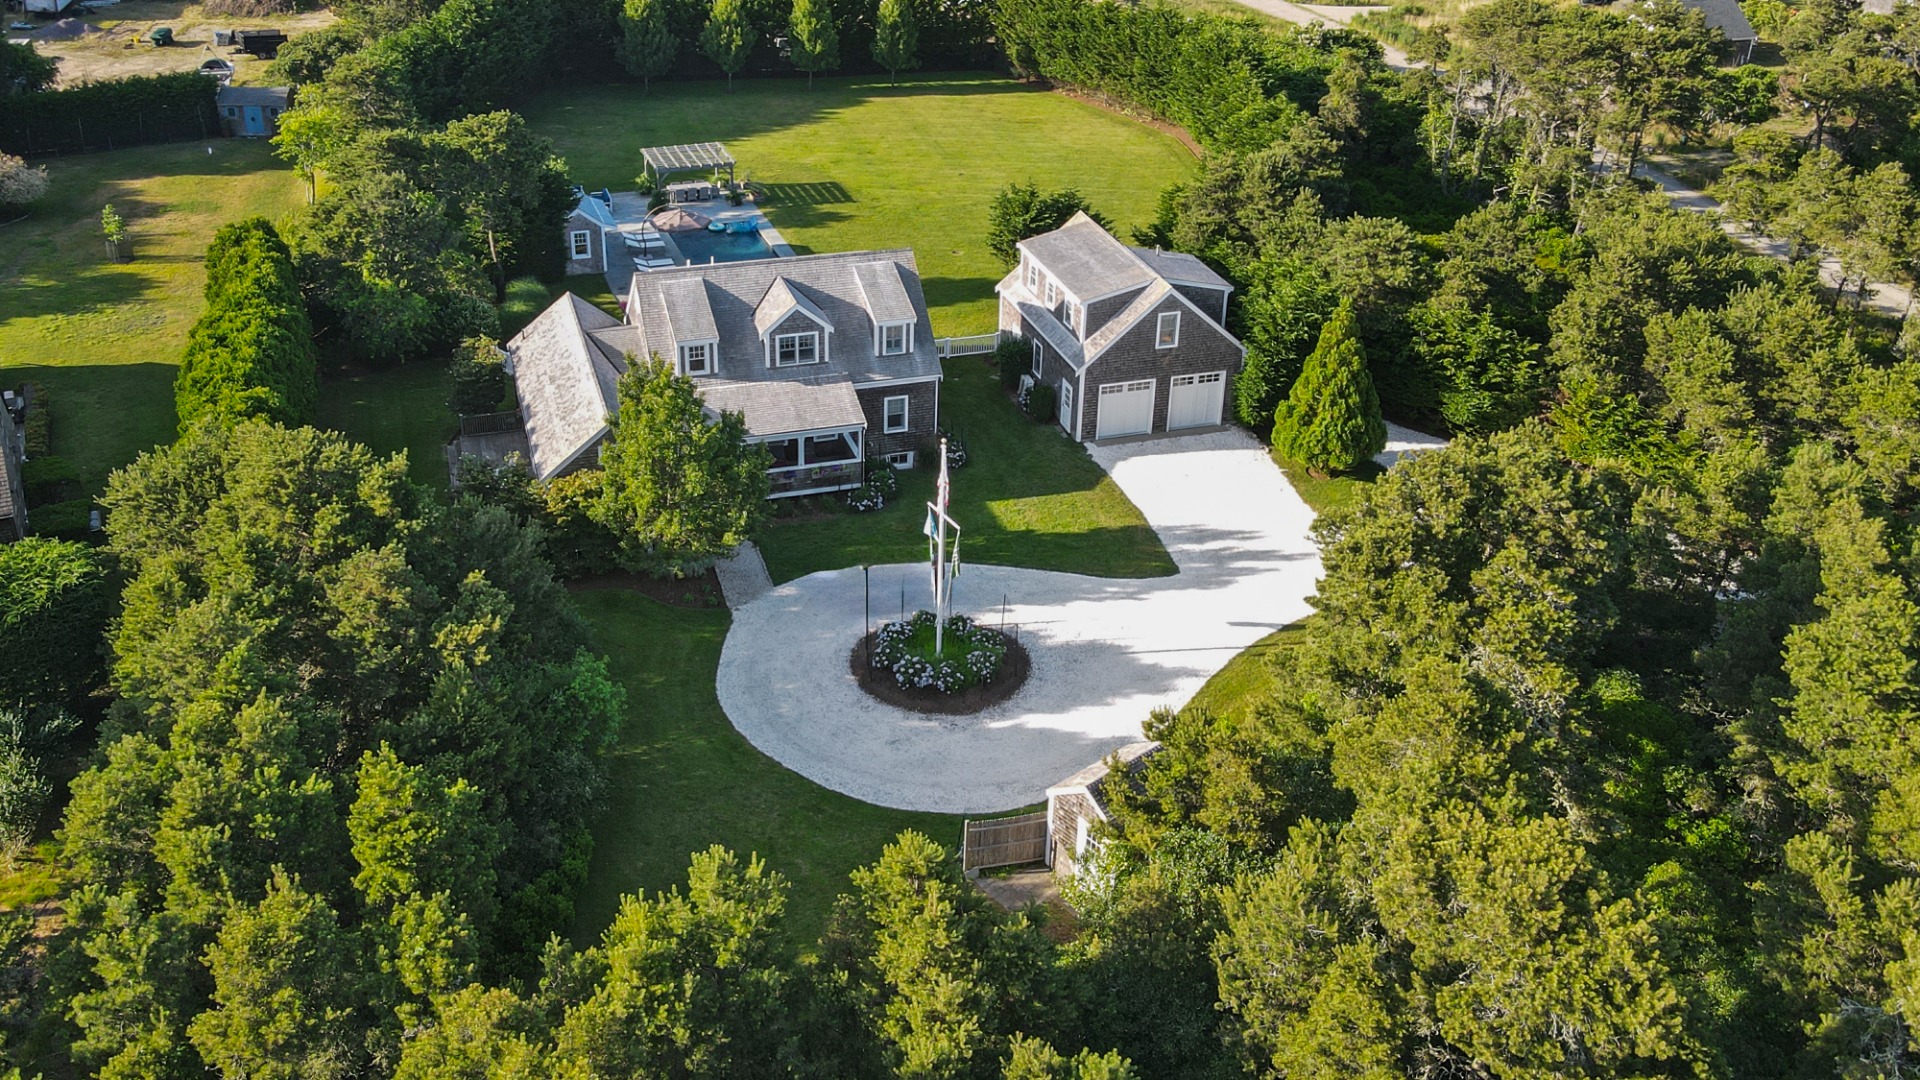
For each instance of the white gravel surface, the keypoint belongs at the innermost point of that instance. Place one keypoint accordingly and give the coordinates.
(1105, 651)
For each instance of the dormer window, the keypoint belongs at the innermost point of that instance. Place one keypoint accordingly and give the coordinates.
(696, 359)
(1033, 276)
(1066, 316)
(1053, 293)
(792, 350)
(893, 339)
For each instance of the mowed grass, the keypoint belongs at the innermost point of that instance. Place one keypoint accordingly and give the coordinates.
(1248, 678)
(1028, 496)
(104, 337)
(854, 164)
(394, 410)
(683, 779)
(1324, 493)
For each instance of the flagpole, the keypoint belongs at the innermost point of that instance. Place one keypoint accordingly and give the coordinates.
(940, 560)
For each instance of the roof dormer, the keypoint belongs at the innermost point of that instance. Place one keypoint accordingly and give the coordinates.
(888, 305)
(792, 328)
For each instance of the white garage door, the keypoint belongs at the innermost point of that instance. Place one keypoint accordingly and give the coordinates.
(1195, 400)
(1126, 408)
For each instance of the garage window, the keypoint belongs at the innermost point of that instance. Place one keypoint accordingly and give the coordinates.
(1167, 334)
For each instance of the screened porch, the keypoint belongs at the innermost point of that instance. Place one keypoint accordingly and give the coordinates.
(812, 462)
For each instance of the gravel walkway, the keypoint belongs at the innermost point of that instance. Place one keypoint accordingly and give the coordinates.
(743, 575)
(1105, 651)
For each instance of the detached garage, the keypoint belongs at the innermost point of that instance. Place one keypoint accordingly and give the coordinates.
(1196, 400)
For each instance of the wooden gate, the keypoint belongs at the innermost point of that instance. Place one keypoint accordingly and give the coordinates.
(1007, 841)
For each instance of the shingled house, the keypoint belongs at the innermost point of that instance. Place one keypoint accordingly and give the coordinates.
(13, 492)
(1133, 340)
(830, 359)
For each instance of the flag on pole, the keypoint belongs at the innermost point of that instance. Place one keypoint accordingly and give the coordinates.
(943, 489)
(928, 527)
(956, 555)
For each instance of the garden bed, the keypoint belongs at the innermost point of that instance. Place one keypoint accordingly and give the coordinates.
(879, 682)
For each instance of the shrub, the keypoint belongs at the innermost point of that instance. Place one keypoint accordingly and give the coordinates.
(70, 520)
(55, 598)
(882, 484)
(478, 375)
(1014, 358)
(20, 184)
(50, 479)
(106, 115)
(23, 794)
(956, 450)
(251, 352)
(1040, 402)
(576, 544)
(37, 432)
(972, 657)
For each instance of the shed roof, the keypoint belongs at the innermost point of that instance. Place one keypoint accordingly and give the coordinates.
(1180, 268)
(787, 408)
(274, 96)
(685, 156)
(1093, 777)
(1726, 17)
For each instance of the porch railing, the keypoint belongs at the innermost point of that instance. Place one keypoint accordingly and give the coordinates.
(797, 478)
(969, 345)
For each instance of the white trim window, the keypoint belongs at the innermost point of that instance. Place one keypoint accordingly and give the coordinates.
(1166, 330)
(900, 459)
(1033, 275)
(1066, 316)
(893, 339)
(582, 243)
(792, 350)
(696, 358)
(1039, 354)
(894, 414)
(1053, 293)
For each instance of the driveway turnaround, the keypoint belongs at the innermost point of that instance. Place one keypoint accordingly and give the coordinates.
(1105, 651)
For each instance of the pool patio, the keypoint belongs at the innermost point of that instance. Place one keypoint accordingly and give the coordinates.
(635, 245)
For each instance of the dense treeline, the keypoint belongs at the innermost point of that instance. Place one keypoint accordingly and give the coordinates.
(348, 769)
(105, 115)
(251, 351)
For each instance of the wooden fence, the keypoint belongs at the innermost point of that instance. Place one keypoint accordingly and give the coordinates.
(971, 345)
(1007, 841)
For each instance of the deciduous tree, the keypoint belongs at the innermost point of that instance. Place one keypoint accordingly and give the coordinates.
(728, 37)
(647, 45)
(896, 38)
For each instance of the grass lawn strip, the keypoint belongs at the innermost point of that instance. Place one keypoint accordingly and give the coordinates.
(854, 164)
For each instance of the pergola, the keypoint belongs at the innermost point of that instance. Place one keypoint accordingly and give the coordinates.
(663, 161)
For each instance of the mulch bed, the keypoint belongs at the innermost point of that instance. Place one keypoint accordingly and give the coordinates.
(702, 591)
(880, 685)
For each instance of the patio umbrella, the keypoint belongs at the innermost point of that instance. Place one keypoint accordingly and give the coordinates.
(678, 220)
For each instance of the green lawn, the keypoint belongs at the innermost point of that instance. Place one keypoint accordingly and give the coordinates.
(683, 778)
(393, 410)
(1248, 678)
(104, 337)
(1324, 493)
(1028, 496)
(854, 164)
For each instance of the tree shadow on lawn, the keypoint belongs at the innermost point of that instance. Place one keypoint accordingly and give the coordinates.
(103, 415)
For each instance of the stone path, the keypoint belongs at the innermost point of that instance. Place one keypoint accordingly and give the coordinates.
(743, 575)
(1105, 652)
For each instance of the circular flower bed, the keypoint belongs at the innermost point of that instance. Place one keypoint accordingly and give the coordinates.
(980, 666)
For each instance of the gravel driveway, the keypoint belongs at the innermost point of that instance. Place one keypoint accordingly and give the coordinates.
(1105, 651)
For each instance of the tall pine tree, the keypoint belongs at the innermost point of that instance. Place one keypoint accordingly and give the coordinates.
(647, 46)
(1330, 421)
(814, 39)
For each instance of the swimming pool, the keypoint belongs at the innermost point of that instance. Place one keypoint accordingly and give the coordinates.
(700, 247)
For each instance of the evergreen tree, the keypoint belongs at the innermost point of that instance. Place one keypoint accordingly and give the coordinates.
(678, 489)
(1020, 211)
(814, 40)
(1330, 421)
(896, 38)
(727, 39)
(647, 45)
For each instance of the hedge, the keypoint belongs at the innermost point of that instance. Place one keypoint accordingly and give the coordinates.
(1232, 83)
(251, 352)
(55, 597)
(107, 115)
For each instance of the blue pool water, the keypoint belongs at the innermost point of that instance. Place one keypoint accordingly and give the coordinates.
(699, 247)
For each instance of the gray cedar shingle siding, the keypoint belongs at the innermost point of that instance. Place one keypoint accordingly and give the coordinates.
(919, 436)
(1063, 822)
(596, 260)
(1203, 347)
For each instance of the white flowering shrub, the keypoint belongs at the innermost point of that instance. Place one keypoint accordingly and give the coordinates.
(973, 657)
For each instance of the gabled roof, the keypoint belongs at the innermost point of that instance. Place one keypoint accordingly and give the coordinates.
(688, 311)
(1086, 260)
(887, 299)
(1149, 297)
(1093, 778)
(1180, 268)
(594, 210)
(565, 382)
(783, 298)
(1725, 16)
(831, 284)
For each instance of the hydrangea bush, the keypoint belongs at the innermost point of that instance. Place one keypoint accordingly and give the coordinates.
(973, 657)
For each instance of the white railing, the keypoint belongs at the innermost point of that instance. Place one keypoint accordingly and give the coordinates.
(970, 345)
